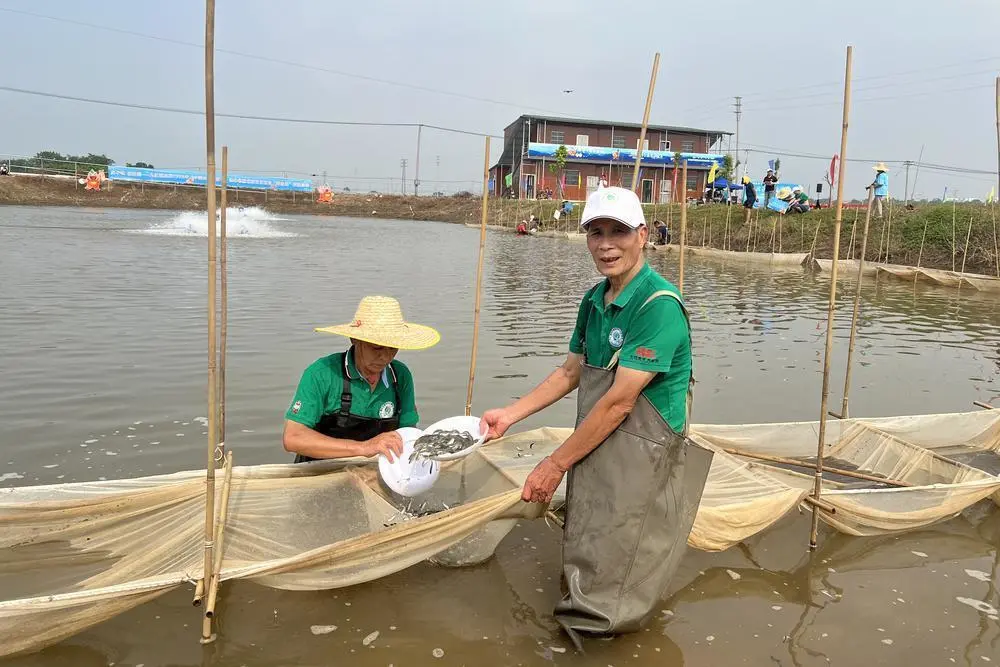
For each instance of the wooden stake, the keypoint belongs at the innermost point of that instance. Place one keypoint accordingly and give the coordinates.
(802, 464)
(857, 304)
(223, 300)
(818, 488)
(479, 281)
(645, 123)
(207, 635)
(684, 220)
(985, 406)
(220, 534)
(965, 251)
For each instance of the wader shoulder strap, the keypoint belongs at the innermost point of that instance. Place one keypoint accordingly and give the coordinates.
(345, 390)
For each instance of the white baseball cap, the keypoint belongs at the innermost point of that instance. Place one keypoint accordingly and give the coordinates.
(613, 203)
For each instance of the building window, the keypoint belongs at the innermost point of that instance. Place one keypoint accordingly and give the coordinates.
(572, 178)
(687, 147)
(627, 180)
(692, 183)
(582, 140)
(557, 137)
(664, 145)
(618, 142)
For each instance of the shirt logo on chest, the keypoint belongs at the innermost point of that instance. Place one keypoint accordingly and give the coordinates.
(616, 338)
(386, 410)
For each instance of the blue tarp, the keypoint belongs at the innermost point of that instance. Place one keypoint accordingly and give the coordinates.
(187, 177)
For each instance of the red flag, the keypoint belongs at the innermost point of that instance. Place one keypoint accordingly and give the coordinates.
(831, 177)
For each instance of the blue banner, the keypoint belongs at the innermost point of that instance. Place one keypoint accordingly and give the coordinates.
(198, 178)
(623, 155)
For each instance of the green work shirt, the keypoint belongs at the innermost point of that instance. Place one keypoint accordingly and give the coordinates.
(655, 340)
(322, 382)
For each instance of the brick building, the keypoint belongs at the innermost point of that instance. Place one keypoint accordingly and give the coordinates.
(599, 149)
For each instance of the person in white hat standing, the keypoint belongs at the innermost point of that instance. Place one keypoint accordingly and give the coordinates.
(351, 403)
(634, 479)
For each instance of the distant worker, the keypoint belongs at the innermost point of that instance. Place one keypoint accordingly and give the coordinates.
(800, 201)
(770, 180)
(4, 170)
(662, 232)
(881, 185)
(351, 403)
(749, 198)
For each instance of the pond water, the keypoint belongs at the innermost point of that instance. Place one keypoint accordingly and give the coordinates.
(103, 365)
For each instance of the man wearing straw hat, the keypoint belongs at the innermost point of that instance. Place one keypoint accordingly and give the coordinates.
(881, 185)
(351, 403)
(634, 478)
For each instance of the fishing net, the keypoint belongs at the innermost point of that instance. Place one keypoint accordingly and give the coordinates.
(73, 555)
(976, 281)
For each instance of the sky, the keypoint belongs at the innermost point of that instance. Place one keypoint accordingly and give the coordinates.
(922, 85)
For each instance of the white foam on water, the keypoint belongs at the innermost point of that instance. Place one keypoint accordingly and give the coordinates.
(370, 638)
(322, 629)
(251, 222)
(10, 475)
(90, 442)
(979, 605)
(919, 553)
(978, 574)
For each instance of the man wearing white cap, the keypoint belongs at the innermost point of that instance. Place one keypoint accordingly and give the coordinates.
(634, 480)
(351, 403)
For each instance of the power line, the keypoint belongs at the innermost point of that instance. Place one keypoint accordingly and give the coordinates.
(289, 63)
(274, 119)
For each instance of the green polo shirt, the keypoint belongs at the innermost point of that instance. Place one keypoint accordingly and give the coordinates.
(655, 340)
(322, 382)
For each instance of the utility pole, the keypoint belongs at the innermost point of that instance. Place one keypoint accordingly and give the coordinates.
(738, 110)
(437, 171)
(402, 164)
(416, 175)
(906, 186)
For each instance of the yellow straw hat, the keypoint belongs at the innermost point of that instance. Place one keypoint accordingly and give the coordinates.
(379, 320)
(880, 167)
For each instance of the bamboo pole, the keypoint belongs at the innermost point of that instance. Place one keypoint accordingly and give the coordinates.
(725, 236)
(857, 305)
(854, 229)
(207, 635)
(923, 237)
(996, 248)
(223, 299)
(998, 139)
(954, 232)
(985, 406)
(802, 464)
(220, 534)
(684, 219)
(645, 122)
(479, 281)
(888, 232)
(965, 251)
(818, 488)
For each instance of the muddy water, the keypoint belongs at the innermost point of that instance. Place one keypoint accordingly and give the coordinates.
(102, 373)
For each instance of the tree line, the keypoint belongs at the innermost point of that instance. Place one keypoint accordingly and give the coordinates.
(52, 162)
